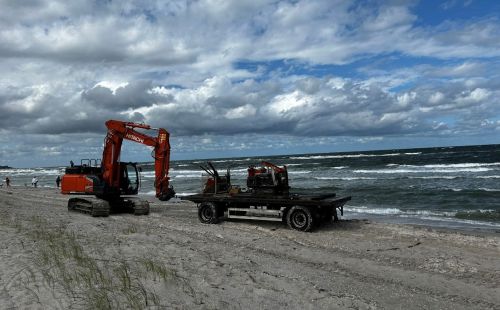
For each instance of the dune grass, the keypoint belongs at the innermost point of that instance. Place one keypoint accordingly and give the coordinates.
(91, 281)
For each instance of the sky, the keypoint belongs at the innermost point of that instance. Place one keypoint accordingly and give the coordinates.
(246, 77)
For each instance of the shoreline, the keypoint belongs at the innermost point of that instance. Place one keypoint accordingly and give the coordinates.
(435, 222)
(445, 224)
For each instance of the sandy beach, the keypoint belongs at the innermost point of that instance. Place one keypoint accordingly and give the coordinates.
(51, 258)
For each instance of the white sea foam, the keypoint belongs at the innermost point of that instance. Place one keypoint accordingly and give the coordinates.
(228, 160)
(353, 155)
(390, 171)
(344, 156)
(488, 177)
(32, 171)
(185, 171)
(345, 178)
(458, 221)
(397, 211)
(187, 176)
(463, 165)
(445, 177)
(153, 193)
(184, 194)
(472, 189)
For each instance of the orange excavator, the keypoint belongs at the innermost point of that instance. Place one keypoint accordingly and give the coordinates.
(112, 181)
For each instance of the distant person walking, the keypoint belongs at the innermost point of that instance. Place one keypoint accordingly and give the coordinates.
(7, 181)
(34, 181)
(58, 181)
(71, 163)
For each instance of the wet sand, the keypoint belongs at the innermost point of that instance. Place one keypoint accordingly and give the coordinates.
(51, 258)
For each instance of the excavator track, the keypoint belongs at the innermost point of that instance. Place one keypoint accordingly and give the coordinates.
(139, 206)
(93, 206)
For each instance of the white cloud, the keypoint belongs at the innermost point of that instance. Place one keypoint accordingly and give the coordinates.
(437, 97)
(245, 111)
(472, 97)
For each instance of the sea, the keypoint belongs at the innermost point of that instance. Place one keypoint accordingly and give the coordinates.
(452, 187)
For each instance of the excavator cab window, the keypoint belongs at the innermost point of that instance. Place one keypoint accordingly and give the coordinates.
(129, 183)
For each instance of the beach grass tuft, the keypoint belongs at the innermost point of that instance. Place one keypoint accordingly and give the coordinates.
(92, 282)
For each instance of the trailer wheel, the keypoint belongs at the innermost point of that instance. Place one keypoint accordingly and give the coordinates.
(208, 213)
(300, 218)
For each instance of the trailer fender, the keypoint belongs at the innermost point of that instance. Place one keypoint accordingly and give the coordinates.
(285, 214)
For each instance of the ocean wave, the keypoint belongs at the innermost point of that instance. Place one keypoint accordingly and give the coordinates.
(482, 215)
(444, 177)
(148, 174)
(446, 166)
(181, 176)
(458, 220)
(225, 160)
(37, 171)
(488, 177)
(391, 171)
(184, 194)
(345, 178)
(477, 217)
(153, 193)
(489, 189)
(480, 189)
(183, 171)
(353, 155)
(397, 211)
(344, 156)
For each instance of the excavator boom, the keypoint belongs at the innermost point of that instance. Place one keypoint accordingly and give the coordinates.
(117, 131)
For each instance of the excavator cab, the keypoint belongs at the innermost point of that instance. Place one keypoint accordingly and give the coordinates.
(129, 179)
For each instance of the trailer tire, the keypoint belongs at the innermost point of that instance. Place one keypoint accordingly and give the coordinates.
(208, 213)
(300, 218)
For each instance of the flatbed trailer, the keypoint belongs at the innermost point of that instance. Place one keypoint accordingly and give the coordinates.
(299, 212)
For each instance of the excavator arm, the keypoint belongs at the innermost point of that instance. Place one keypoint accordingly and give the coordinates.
(117, 131)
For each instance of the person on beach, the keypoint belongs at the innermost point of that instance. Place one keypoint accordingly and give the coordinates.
(58, 181)
(7, 181)
(34, 181)
(71, 163)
